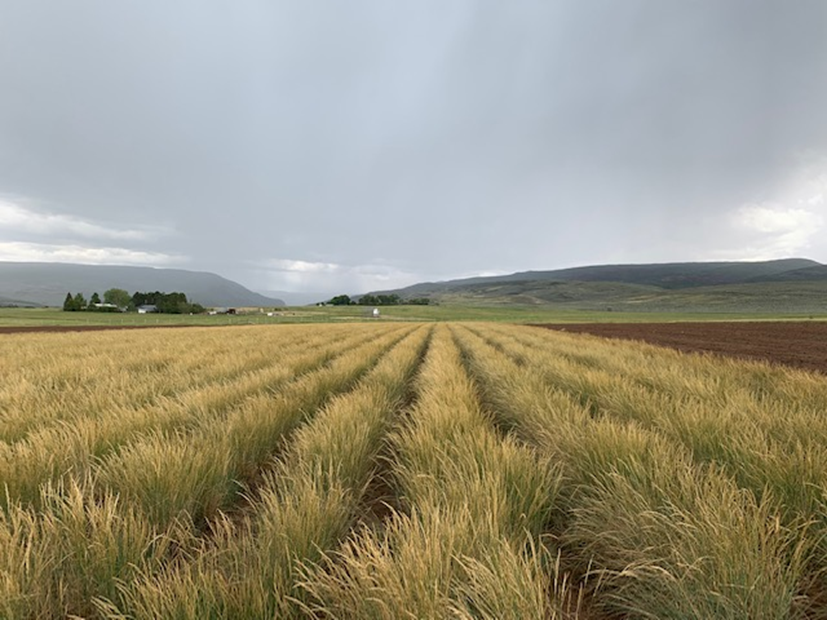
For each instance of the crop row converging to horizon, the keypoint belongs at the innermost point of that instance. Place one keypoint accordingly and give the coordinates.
(405, 471)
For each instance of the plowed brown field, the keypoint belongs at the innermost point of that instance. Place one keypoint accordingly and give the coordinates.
(799, 344)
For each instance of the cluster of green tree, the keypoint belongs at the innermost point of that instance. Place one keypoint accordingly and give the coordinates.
(117, 299)
(74, 303)
(341, 300)
(378, 300)
(114, 300)
(168, 303)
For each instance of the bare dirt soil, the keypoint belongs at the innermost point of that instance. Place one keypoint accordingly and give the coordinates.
(798, 344)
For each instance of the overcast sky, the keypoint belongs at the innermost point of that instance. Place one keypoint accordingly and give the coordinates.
(350, 146)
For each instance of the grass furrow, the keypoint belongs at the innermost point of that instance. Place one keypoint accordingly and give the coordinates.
(467, 544)
(90, 535)
(237, 472)
(71, 375)
(74, 449)
(767, 444)
(107, 381)
(672, 539)
(195, 475)
(249, 569)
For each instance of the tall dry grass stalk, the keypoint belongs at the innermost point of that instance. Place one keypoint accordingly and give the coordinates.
(55, 561)
(196, 474)
(477, 506)
(230, 473)
(73, 446)
(304, 506)
(673, 538)
(764, 425)
(87, 537)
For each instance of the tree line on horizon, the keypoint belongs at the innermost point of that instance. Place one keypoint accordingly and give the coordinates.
(391, 299)
(119, 300)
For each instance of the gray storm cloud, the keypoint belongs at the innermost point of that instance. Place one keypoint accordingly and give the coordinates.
(319, 146)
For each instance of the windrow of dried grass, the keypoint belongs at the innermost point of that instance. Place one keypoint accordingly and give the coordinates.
(137, 508)
(73, 446)
(305, 505)
(764, 425)
(233, 473)
(671, 535)
(469, 542)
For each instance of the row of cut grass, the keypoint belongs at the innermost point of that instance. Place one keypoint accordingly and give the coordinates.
(305, 505)
(93, 532)
(72, 449)
(468, 543)
(199, 473)
(741, 416)
(670, 538)
(72, 377)
(706, 377)
(530, 461)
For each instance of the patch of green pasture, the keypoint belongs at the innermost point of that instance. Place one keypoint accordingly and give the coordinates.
(530, 314)
(23, 317)
(328, 314)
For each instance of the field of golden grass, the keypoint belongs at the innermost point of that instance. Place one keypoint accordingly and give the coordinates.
(405, 470)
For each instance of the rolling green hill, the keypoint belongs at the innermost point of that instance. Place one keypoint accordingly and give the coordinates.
(17, 303)
(780, 286)
(46, 284)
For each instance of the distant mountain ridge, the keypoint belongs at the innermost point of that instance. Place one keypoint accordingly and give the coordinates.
(663, 275)
(677, 275)
(788, 285)
(46, 284)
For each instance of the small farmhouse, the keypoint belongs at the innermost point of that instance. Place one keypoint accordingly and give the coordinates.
(147, 308)
(108, 307)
